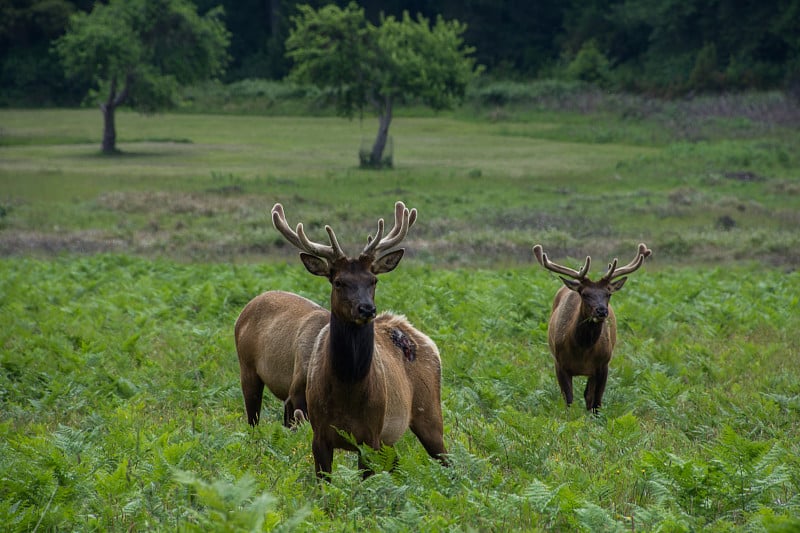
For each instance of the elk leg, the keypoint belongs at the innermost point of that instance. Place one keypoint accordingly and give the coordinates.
(595, 387)
(296, 401)
(295, 410)
(366, 470)
(431, 434)
(565, 382)
(323, 458)
(253, 391)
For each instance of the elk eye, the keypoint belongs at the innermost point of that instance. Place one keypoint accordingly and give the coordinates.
(337, 284)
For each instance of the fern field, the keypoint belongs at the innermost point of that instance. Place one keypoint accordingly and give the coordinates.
(120, 407)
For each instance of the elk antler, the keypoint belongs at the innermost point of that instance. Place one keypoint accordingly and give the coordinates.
(559, 269)
(298, 238)
(403, 220)
(633, 266)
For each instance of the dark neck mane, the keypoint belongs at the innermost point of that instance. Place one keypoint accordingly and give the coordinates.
(351, 349)
(587, 332)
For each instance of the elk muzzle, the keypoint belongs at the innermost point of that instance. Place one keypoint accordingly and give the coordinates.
(365, 312)
(599, 314)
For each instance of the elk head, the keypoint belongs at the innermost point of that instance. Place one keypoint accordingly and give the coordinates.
(352, 281)
(595, 295)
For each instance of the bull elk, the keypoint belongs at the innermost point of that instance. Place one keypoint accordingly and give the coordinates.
(582, 330)
(349, 370)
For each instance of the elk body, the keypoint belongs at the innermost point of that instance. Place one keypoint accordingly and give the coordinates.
(347, 370)
(582, 330)
(272, 333)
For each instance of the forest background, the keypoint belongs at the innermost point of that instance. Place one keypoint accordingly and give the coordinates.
(666, 48)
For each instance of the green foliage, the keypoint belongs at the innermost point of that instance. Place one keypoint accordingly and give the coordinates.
(331, 49)
(704, 75)
(30, 75)
(222, 506)
(364, 65)
(139, 52)
(650, 46)
(420, 60)
(121, 407)
(501, 93)
(253, 96)
(374, 67)
(589, 65)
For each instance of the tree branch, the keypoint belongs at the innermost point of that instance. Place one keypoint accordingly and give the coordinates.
(123, 95)
(112, 92)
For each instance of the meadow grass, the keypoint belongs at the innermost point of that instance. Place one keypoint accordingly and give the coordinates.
(200, 186)
(121, 277)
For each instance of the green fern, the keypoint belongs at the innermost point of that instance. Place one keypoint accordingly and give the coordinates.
(595, 518)
(221, 506)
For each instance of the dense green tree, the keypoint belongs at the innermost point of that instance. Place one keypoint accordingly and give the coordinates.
(663, 46)
(138, 52)
(258, 31)
(29, 74)
(369, 66)
(681, 45)
(512, 38)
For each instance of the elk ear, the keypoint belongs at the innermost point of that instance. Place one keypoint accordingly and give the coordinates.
(572, 284)
(387, 262)
(616, 285)
(315, 265)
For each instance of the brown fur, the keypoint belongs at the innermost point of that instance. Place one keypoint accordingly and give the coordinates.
(396, 394)
(272, 332)
(574, 357)
(582, 330)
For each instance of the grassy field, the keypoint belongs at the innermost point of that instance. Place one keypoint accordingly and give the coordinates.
(201, 186)
(120, 280)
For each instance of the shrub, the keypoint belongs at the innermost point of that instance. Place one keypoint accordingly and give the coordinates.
(590, 65)
(705, 76)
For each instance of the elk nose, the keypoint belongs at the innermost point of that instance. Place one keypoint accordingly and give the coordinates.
(601, 312)
(366, 310)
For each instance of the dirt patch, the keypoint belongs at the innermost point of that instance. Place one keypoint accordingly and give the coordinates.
(744, 175)
(160, 202)
(441, 251)
(235, 227)
(16, 243)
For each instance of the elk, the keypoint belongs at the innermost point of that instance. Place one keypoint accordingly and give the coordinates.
(350, 370)
(582, 330)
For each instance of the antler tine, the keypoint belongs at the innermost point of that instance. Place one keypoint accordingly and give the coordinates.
(299, 239)
(403, 220)
(612, 266)
(279, 221)
(372, 242)
(541, 256)
(613, 272)
(400, 211)
(332, 252)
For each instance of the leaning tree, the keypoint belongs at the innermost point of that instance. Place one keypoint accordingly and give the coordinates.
(364, 66)
(139, 52)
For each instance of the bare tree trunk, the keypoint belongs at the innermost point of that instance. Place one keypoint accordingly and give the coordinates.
(108, 108)
(384, 120)
(109, 129)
